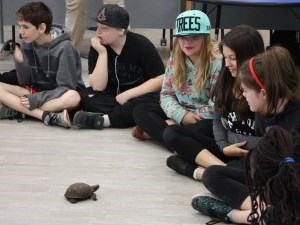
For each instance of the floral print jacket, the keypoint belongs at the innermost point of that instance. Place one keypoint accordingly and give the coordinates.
(176, 103)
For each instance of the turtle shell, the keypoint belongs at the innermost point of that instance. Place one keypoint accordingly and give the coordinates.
(80, 191)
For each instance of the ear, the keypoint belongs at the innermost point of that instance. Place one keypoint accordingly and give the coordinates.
(263, 93)
(121, 32)
(42, 28)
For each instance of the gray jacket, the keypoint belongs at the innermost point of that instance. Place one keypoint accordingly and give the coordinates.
(52, 68)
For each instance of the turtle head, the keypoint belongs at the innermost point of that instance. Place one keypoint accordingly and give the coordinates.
(95, 187)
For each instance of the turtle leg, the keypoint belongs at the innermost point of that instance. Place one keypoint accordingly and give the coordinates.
(94, 197)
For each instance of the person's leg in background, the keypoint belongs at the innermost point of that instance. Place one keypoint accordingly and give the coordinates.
(117, 2)
(75, 20)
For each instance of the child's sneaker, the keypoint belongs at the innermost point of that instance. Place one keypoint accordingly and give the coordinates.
(8, 113)
(88, 120)
(58, 119)
(212, 207)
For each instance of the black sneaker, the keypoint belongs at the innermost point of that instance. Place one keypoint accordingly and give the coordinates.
(212, 207)
(58, 119)
(88, 120)
(9, 113)
(180, 165)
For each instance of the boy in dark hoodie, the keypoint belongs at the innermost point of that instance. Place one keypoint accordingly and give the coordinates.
(48, 69)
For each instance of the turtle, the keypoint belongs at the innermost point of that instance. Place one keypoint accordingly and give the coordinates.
(81, 191)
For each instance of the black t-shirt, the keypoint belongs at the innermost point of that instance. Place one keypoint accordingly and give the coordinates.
(138, 62)
(244, 127)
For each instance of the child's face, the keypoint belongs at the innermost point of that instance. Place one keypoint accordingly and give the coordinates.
(107, 34)
(256, 100)
(28, 32)
(230, 60)
(191, 46)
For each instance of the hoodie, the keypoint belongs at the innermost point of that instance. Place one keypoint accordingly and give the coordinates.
(288, 119)
(51, 69)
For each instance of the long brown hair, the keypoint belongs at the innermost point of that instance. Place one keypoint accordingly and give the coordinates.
(277, 72)
(245, 42)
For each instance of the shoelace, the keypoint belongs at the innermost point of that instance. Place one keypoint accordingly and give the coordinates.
(55, 119)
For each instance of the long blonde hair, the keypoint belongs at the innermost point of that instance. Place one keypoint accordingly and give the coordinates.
(203, 64)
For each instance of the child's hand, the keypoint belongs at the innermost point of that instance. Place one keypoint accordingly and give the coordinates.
(123, 97)
(95, 41)
(25, 102)
(235, 150)
(190, 117)
(18, 54)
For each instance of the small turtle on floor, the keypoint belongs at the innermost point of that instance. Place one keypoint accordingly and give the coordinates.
(81, 191)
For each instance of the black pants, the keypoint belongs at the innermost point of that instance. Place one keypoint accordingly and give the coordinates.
(151, 119)
(189, 141)
(227, 183)
(120, 116)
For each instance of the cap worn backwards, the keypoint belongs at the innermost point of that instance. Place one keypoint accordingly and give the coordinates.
(192, 22)
(113, 16)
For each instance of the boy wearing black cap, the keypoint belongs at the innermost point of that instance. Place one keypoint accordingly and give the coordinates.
(125, 70)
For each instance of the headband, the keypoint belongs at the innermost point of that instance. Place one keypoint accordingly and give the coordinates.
(254, 75)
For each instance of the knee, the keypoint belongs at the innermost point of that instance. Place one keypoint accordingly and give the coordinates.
(70, 99)
(138, 113)
(209, 175)
(169, 135)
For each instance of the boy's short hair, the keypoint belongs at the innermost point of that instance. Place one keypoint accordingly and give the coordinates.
(36, 13)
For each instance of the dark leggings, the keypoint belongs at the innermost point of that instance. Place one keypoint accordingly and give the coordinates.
(151, 119)
(227, 183)
(120, 116)
(189, 141)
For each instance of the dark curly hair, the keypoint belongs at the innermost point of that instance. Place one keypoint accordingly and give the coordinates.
(273, 175)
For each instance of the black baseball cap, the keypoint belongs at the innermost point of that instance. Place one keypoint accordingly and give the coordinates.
(113, 16)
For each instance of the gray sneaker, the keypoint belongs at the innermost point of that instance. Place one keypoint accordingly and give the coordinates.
(58, 119)
(8, 113)
(88, 120)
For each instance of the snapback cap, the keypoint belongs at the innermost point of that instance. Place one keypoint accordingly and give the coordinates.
(192, 22)
(113, 16)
